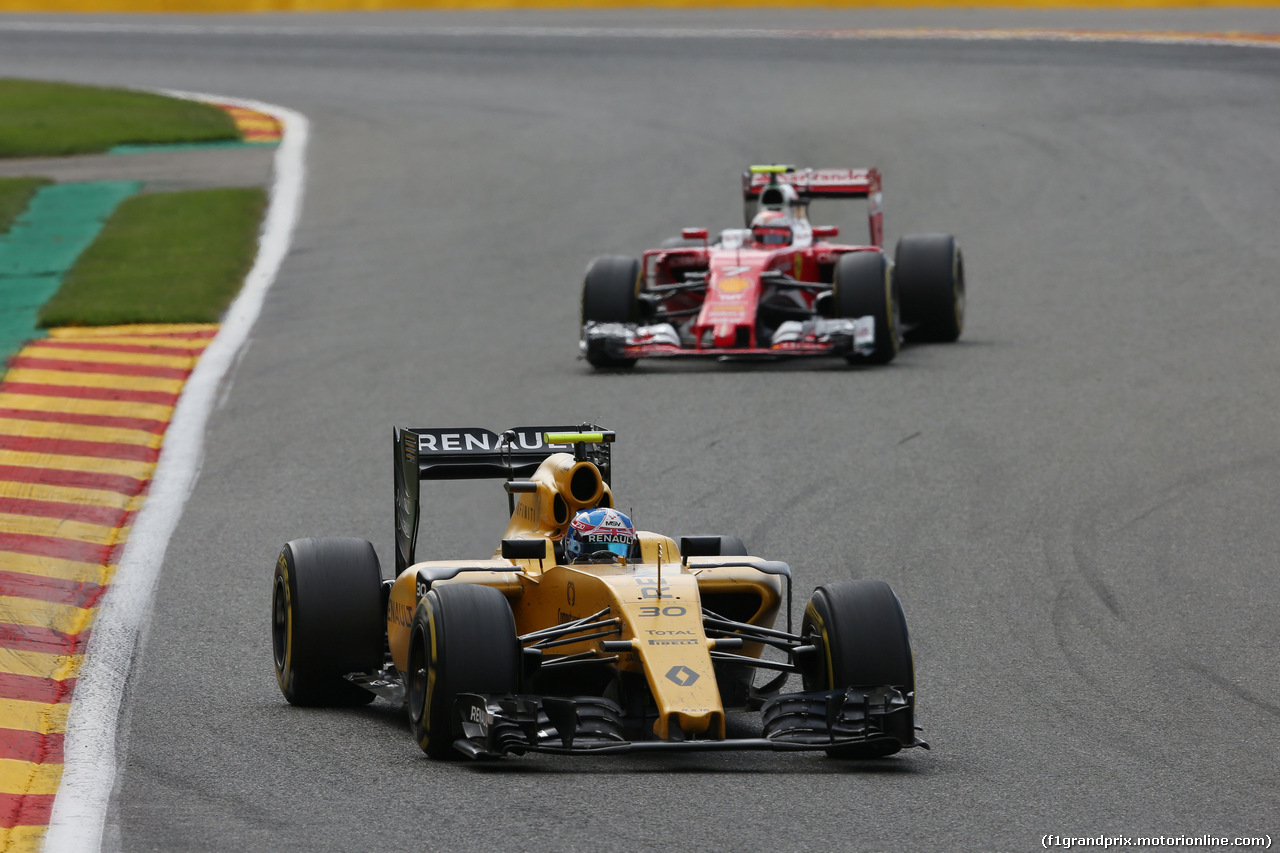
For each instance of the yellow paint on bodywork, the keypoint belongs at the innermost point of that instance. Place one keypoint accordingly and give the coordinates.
(664, 618)
(406, 593)
(655, 600)
(546, 512)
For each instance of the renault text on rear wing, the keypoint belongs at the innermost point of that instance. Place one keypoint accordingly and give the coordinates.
(467, 453)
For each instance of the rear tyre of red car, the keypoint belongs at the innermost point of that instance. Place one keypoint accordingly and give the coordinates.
(861, 635)
(929, 272)
(327, 620)
(463, 640)
(609, 295)
(862, 286)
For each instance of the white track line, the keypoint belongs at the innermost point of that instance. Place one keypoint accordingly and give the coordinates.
(89, 769)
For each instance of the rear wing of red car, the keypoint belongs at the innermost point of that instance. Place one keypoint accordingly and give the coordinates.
(469, 453)
(810, 183)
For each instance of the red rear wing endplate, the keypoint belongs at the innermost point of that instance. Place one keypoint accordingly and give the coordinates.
(817, 183)
(812, 183)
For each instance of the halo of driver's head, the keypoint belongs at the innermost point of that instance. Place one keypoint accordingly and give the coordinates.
(601, 534)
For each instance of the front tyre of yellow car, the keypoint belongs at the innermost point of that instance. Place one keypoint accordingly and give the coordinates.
(861, 635)
(327, 620)
(463, 640)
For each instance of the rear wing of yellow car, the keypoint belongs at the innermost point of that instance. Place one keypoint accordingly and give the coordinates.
(469, 453)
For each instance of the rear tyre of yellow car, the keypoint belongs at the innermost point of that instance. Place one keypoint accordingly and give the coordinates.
(862, 640)
(929, 272)
(610, 294)
(863, 286)
(327, 620)
(463, 640)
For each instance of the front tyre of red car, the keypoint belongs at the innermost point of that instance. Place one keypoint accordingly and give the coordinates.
(463, 640)
(861, 635)
(610, 293)
(929, 271)
(863, 286)
(327, 620)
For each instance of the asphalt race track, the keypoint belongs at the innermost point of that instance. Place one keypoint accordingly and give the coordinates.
(1076, 504)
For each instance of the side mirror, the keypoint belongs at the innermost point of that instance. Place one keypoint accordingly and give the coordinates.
(699, 546)
(823, 231)
(525, 549)
(693, 233)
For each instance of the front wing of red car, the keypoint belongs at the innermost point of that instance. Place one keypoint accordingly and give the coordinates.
(817, 337)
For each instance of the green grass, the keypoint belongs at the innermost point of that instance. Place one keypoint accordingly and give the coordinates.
(53, 119)
(15, 193)
(164, 258)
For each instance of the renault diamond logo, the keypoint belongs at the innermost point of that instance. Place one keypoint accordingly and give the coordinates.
(682, 675)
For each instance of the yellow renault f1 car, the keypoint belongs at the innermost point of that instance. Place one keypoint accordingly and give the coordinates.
(581, 635)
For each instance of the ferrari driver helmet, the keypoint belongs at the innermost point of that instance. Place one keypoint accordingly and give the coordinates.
(602, 533)
(771, 228)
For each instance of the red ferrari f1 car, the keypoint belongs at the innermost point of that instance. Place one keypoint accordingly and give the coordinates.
(778, 287)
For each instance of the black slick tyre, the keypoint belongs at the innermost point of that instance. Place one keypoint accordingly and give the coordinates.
(929, 273)
(610, 293)
(463, 640)
(327, 620)
(862, 286)
(862, 640)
